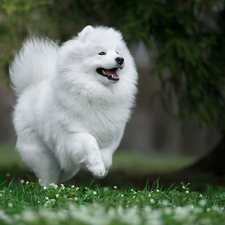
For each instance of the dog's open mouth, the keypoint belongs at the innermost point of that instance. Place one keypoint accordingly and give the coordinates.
(110, 73)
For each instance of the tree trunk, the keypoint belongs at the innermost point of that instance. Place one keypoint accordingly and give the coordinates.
(213, 162)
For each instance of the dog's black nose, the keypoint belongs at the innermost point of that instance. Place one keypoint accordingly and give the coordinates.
(120, 60)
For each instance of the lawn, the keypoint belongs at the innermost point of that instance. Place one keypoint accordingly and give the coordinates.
(122, 160)
(29, 203)
(127, 195)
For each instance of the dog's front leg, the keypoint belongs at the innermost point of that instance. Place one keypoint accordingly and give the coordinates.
(82, 149)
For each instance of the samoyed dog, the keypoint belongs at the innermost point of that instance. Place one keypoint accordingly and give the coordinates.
(73, 102)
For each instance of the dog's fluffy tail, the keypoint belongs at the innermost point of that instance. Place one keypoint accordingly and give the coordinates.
(35, 62)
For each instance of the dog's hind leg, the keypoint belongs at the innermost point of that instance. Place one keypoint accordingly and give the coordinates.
(38, 157)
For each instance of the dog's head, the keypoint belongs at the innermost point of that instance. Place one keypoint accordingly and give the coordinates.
(97, 53)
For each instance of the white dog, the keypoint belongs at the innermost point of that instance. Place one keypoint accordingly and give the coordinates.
(73, 102)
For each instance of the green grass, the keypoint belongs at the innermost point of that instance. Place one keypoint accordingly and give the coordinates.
(29, 203)
(26, 202)
(122, 160)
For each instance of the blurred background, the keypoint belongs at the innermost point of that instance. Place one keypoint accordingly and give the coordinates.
(179, 50)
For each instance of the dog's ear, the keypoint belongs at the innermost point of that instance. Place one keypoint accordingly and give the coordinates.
(85, 32)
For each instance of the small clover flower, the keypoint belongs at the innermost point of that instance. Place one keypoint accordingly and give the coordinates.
(10, 205)
(187, 192)
(72, 186)
(39, 180)
(27, 182)
(152, 200)
(44, 187)
(202, 202)
(56, 195)
(46, 198)
(62, 185)
(0, 195)
(115, 187)
(22, 181)
(77, 188)
(165, 202)
(94, 193)
(76, 199)
(157, 190)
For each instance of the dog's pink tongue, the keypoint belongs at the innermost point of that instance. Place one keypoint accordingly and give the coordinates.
(112, 73)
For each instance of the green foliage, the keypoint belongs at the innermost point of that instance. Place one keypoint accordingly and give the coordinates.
(186, 37)
(188, 40)
(18, 19)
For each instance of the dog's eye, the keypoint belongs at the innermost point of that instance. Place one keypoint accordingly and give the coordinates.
(101, 53)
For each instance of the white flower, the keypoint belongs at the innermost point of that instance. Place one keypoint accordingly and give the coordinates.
(27, 182)
(135, 193)
(94, 193)
(10, 205)
(77, 188)
(202, 202)
(22, 181)
(55, 186)
(62, 185)
(165, 202)
(149, 195)
(57, 196)
(44, 187)
(29, 216)
(115, 187)
(64, 196)
(187, 192)
(132, 189)
(122, 195)
(134, 196)
(152, 200)
(39, 180)
(46, 198)
(76, 199)
(72, 186)
(0, 195)
(200, 195)
(38, 202)
(157, 190)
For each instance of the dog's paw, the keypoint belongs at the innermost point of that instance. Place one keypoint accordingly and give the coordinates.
(98, 171)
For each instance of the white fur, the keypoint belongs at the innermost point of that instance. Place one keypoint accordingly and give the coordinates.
(67, 116)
